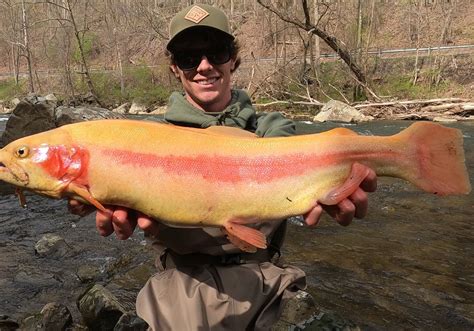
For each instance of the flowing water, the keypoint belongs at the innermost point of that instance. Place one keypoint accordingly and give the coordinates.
(408, 264)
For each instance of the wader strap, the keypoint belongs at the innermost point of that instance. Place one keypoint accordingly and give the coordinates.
(277, 239)
(169, 259)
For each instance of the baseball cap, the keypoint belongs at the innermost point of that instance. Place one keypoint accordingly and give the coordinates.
(198, 16)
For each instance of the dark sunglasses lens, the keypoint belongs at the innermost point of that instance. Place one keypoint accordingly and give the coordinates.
(219, 57)
(190, 60)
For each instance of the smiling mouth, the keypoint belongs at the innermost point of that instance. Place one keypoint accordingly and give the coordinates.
(207, 81)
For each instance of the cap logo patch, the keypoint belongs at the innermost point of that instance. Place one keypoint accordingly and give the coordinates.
(196, 14)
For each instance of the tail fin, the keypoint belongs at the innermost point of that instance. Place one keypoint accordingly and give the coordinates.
(438, 154)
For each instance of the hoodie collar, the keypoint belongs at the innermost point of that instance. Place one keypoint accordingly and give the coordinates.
(237, 114)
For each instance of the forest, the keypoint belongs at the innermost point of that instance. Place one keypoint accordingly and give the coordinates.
(295, 53)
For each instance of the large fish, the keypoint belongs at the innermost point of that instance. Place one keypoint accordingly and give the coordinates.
(223, 177)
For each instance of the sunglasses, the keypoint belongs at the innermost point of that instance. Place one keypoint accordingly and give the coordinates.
(191, 59)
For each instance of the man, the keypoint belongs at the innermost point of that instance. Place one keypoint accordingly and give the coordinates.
(205, 282)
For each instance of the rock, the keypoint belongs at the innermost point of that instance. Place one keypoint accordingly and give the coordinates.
(7, 324)
(296, 311)
(99, 308)
(3, 108)
(56, 317)
(68, 115)
(53, 317)
(122, 109)
(159, 110)
(51, 244)
(87, 273)
(15, 102)
(327, 321)
(130, 322)
(444, 119)
(51, 97)
(338, 111)
(30, 116)
(32, 323)
(136, 109)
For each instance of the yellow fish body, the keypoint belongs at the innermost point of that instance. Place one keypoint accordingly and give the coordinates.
(219, 177)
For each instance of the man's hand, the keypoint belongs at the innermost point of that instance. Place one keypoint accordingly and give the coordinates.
(120, 220)
(353, 206)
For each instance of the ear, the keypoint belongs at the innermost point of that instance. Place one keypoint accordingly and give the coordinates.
(174, 69)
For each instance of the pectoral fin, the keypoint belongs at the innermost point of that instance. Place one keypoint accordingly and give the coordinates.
(246, 238)
(84, 193)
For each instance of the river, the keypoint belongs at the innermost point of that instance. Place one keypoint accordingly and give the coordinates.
(407, 265)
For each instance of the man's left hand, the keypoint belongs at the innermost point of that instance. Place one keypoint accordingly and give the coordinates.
(355, 205)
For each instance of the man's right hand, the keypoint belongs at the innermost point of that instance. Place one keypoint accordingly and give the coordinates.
(120, 220)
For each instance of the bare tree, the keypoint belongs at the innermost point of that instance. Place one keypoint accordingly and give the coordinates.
(332, 41)
(66, 6)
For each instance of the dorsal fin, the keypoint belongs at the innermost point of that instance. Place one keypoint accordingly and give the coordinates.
(340, 132)
(230, 131)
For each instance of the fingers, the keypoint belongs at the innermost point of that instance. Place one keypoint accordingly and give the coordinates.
(120, 220)
(343, 212)
(103, 222)
(124, 222)
(369, 184)
(78, 208)
(360, 201)
(147, 224)
(312, 218)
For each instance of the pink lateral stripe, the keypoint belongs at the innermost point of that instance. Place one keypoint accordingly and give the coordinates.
(236, 169)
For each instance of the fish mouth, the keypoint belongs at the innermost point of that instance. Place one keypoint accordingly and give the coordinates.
(14, 175)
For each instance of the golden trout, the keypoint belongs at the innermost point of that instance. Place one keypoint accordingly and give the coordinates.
(223, 177)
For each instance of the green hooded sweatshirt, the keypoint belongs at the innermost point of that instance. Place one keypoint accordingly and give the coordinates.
(240, 113)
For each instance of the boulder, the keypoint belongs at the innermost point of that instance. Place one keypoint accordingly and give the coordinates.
(30, 116)
(51, 244)
(136, 109)
(338, 111)
(159, 110)
(99, 308)
(68, 115)
(122, 109)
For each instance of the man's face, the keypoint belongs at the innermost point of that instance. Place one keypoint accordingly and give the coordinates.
(207, 83)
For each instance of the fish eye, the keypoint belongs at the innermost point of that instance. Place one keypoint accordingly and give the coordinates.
(22, 152)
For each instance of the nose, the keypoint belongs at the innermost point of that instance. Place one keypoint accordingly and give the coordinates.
(204, 65)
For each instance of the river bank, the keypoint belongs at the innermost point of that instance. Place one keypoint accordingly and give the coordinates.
(407, 265)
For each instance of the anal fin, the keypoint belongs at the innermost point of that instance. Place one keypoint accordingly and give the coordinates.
(84, 193)
(358, 173)
(245, 238)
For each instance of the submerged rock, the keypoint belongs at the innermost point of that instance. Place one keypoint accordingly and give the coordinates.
(51, 244)
(56, 317)
(130, 322)
(99, 308)
(53, 317)
(7, 324)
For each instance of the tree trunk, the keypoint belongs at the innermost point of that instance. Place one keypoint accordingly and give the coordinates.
(26, 45)
(86, 73)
